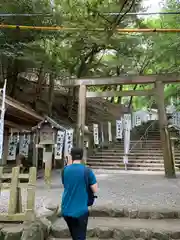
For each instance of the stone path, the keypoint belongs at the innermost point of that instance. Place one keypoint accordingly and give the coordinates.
(125, 189)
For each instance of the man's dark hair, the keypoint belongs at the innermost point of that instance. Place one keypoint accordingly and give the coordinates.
(76, 153)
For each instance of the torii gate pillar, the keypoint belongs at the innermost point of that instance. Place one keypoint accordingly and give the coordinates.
(81, 116)
(164, 133)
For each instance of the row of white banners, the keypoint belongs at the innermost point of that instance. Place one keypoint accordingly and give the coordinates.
(123, 129)
(23, 141)
(64, 143)
(122, 125)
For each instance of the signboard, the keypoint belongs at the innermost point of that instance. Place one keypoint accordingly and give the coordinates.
(13, 141)
(96, 134)
(47, 134)
(127, 135)
(109, 132)
(24, 144)
(59, 144)
(68, 141)
(119, 129)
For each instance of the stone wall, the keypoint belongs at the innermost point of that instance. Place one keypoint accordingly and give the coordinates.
(37, 230)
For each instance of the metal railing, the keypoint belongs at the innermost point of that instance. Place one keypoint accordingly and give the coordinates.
(143, 138)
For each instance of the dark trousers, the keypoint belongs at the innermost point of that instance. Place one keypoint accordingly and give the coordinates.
(77, 226)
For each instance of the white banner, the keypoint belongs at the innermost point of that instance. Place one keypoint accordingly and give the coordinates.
(1, 137)
(109, 132)
(127, 135)
(13, 141)
(2, 118)
(24, 144)
(59, 144)
(119, 128)
(68, 141)
(96, 134)
(102, 133)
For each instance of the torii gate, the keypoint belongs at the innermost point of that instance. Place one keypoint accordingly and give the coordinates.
(157, 91)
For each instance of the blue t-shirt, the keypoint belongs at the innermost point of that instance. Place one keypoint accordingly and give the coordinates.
(75, 196)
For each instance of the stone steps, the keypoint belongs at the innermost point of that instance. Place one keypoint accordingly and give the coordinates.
(133, 149)
(131, 168)
(139, 152)
(130, 164)
(119, 211)
(135, 164)
(135, 154)
(130, 160)
(158, 169)
(126, 228)
(134, 157)
(52, 238)
(109, 222)
(90, 161)
(144, 154)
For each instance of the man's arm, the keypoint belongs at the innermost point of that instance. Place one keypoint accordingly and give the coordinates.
(93, 181)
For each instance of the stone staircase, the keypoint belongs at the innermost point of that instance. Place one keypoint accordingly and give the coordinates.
(145, 154)
(124, 224)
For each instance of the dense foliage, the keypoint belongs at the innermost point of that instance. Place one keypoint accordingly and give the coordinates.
(86, 51)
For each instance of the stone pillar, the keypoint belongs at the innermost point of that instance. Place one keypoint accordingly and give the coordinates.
(164, 133)
(81, 116)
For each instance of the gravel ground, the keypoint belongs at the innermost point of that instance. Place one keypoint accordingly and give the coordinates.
(127, 189)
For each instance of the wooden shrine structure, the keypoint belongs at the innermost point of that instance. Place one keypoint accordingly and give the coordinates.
(157, 90)
(17, 116)
(45, 139)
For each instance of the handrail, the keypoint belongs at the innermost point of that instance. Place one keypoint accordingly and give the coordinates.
(175, 126)
(141, 137)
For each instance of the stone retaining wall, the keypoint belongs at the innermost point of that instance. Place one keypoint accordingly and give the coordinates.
(37, 230)
(142, 213)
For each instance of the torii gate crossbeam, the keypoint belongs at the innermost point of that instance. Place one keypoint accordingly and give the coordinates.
(120, 80)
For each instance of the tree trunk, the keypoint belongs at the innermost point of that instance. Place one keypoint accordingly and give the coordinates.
(39, 84)
(131, 98)
(82, 71)
(120, 98)
(118, 71)
(2, 75)
(50, 94)
(12, 78)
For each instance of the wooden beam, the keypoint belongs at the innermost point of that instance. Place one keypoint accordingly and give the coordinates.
(21, 107)
(120, 94)
(124, 79)
(18, 217)
(16, 126)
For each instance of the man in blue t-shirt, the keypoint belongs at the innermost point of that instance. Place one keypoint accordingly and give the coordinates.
(74, 205)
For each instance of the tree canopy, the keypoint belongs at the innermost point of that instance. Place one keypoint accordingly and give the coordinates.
(50, 56)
